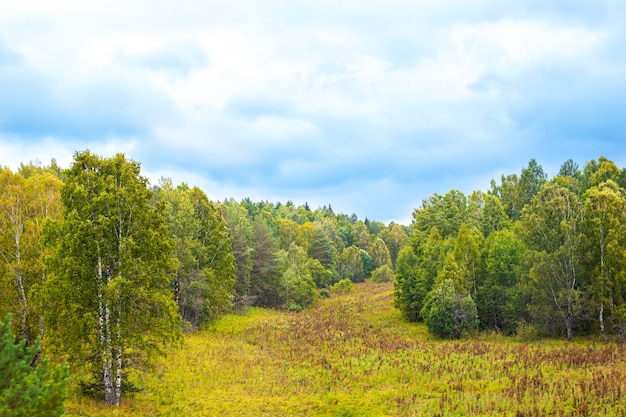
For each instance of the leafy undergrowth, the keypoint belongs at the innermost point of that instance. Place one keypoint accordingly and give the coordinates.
(353, 355)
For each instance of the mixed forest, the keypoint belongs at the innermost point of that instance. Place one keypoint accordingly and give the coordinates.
(102, 273)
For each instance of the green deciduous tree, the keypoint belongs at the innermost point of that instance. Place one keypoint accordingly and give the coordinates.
(215, 264)
(350, 265)
(447, 213)
(27, 390)
(467, 257)
(380, 253)
(25, 205)
(109, 305)
(493, 216)
(602, 171)
(498, 299)
(418, 267)
(395, 238)
(297, 287)
(552, 227)
(605, 227)
(367, 263)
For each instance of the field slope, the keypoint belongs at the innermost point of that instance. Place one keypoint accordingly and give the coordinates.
(353, 355)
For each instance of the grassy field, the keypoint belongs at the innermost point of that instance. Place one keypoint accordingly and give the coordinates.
(353, 355)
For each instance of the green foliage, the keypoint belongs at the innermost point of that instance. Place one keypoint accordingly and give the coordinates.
(448, 313)
(241, 233)
(323, 277)
(108, 302)
(342, 287)
(28, 199)
(552, 227)
(383, 274)
(418, 267)
(563, 264)
(493, 216)
(27, 390)
(409, 290)
(467, 256)
(396, 239)
(447, 213)
(204, 281)
(267, 268)
(297, 288)
(498, 300)
(322, 249)
(367, 264)
(350, 264)
(379, 253)
(605, 230)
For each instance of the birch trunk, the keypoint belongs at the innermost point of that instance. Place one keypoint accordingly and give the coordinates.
(602, 330)
(105, 338)
(118, 359)
(19, 281)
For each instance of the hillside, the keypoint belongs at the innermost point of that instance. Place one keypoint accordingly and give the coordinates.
(353, 355)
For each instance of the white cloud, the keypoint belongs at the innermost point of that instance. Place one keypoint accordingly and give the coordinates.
(342, 99)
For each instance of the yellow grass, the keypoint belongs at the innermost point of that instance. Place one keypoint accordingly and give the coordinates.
(353, 355)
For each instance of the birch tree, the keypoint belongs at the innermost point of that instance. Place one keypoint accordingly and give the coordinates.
(552, 227)
(110, 308)
(605, 221)
(25, 205)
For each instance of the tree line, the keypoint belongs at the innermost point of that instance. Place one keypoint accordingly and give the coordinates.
(101, 268)
(533, 256)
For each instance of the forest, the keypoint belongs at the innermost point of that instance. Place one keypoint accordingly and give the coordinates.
(102, 273)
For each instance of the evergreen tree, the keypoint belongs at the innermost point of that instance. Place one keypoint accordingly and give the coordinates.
(27, 390)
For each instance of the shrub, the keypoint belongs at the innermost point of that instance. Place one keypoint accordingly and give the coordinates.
(449, 314)
(342, 287)
(527, 332)
(324, 292)
(383, 273)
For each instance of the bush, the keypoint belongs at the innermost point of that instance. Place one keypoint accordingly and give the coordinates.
(342, 287)
(528, 332)
(383, 273)
(324, 292)
(448, 314)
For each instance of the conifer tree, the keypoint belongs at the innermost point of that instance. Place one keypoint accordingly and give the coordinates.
(27, 390)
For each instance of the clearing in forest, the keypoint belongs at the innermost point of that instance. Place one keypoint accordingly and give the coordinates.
(353, 355)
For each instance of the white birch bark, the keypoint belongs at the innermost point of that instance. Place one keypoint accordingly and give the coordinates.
(105, 337)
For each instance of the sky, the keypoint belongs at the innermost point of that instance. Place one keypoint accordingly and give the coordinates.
(369, 106)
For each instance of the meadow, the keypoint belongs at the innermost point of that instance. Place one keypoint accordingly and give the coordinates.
(354, 355)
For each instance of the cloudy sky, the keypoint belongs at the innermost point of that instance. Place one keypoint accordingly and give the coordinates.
(370, 106)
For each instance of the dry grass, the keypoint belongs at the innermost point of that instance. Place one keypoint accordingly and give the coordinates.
(353, 355)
